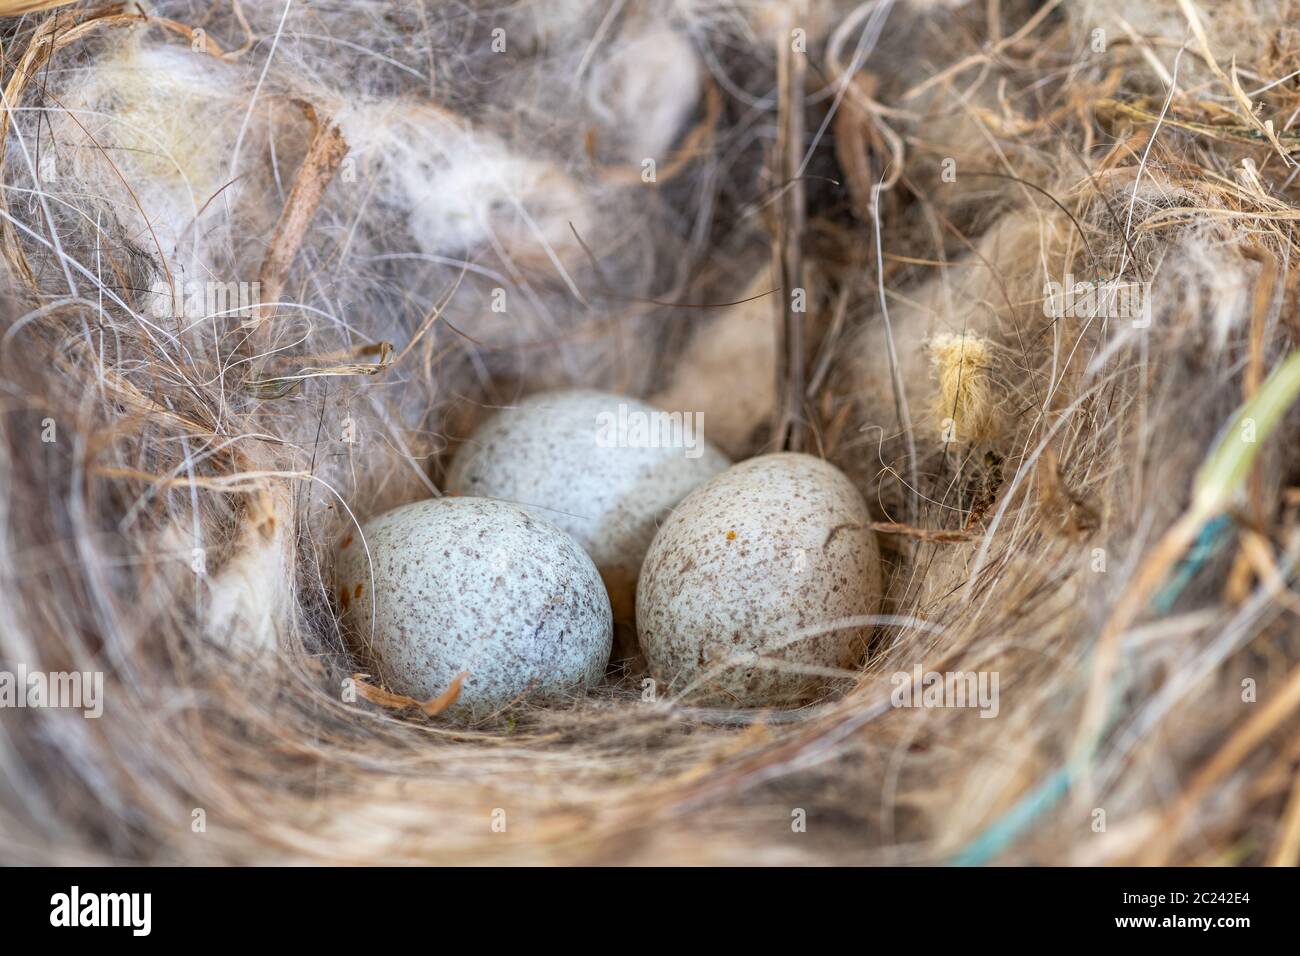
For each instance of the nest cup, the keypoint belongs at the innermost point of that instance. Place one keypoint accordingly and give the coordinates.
(1021, 274)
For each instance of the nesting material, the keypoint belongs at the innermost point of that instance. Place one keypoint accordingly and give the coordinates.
(726, 372)
(934, 165)
(603, 467)
(145, 138)
(761, 585)
(465, 586)
(248, 607)
(647, 89)
(964, 405)
(462, 190)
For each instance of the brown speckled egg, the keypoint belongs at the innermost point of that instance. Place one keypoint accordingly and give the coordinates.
(565, 456)
(468, 584)
(760, 581)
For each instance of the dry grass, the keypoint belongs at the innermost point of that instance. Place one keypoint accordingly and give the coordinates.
(1096, 529)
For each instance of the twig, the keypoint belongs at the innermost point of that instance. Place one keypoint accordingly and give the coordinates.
(391, 701)
(895, 527)
(328, 147)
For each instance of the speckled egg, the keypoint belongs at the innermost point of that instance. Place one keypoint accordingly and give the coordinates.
(603, 467)
(759, 582)
(469, 584)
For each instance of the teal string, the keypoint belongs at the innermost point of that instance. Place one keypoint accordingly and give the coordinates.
(1207, 542)
(1008, 827)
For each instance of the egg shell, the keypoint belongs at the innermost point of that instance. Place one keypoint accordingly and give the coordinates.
(469, 584)
(770, 559)
(560, 455)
